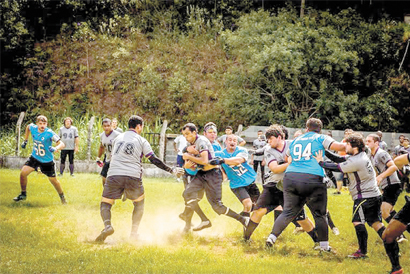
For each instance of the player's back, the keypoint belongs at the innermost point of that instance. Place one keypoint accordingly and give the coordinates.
(127, 152)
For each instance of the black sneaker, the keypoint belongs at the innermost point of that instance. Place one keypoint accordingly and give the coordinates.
(19, 198)
(107, 231)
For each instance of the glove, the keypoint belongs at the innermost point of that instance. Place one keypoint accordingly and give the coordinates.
(52, 149)
(24, 144)
(99, 162)
(217, 161)
(178, 171)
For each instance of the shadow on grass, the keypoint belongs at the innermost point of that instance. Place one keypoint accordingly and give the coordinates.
(32, 204)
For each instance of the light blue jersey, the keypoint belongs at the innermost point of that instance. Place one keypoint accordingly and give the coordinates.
(216, 146)
(239, 175)
(41, 143)
(302, 149)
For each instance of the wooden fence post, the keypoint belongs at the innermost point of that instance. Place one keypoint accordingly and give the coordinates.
(90, 131)
(162, 140)
(18, 131)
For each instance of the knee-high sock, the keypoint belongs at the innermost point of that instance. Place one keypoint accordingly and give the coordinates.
(329, 220)
(236, 216)
(195, 206)
(250, 229)
(392, 251)
(71, 168)
(380, 232)
(62, 167)
(105, 211)
(313, 235)
(137, 216)
(361, 234)
(277, 213)
(392, 213)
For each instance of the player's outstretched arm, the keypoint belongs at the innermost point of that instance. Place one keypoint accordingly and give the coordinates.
(177, 171)
(338, 146)
(401, 160)
(334, 157)
(326, 165)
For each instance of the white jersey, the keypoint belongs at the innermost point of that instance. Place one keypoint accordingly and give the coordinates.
(106, 141)
(181, 143)
(127, 152)
(272, 154)
(67, 136)
(379, 161)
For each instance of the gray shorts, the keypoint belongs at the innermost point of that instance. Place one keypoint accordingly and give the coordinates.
(116, 185)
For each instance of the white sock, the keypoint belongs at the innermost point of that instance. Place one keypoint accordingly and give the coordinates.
(324, 245)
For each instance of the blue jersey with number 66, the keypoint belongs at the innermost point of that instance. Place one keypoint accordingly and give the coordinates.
(302, 150)
(41, 142)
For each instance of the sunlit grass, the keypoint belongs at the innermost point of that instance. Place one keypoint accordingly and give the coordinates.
(40, 235)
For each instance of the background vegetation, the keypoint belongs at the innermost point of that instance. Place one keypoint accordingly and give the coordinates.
(226, 61)
(40, 235)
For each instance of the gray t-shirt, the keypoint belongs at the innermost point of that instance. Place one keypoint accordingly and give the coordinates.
(222, 140)
(119, 130)
(203, 144)
(127, 152)
(258, 144)
(379, 161)
(383, 145)
(68, 136)
(362, 177)
(272, 154)
(107, 142)
(397, 149)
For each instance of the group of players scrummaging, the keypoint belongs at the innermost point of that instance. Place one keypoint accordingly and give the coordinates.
(296, 178)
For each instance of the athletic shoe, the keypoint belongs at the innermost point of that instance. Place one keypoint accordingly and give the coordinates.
(202, 225)
(401, 239)
(335, 231)
(60, 175)
(357, 255)
(328, 250)
(21, 197)
(298, 230)
(107, 231)
(134, 236)
(183, 217)
(270, 241)
(63, 200)
(72, 175)
(186, 230)
(397, 271)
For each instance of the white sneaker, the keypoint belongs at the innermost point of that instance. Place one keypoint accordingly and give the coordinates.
(270, 241)
(335, 231)
(401, 239)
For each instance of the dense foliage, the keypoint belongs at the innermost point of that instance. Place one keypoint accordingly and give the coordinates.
(207, 60)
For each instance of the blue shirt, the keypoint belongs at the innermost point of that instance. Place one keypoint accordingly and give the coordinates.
(41, 143)
(302, 149)
(239, 175)
(216, 146)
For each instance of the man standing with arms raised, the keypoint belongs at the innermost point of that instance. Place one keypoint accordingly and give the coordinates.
(303, 182)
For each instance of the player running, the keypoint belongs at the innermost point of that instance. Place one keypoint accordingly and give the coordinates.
(125, 175)
(42, 156)
(106, 140)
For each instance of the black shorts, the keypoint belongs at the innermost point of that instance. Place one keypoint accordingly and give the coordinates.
(70, 154)
(270, 198)
(104, 170)
(391, 193)
(367, 210)
(48, 169)
(403, 215)
(116, 185)
(245, 192)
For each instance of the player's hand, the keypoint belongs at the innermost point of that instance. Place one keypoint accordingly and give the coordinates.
(99, 162)
(76, 149)
(217, 161)
(52, 149)
(379, 179)
(319, 156)
(178, 171)
(251, 151)
(24, 144)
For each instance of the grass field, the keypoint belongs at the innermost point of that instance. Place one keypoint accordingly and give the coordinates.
(40, 235)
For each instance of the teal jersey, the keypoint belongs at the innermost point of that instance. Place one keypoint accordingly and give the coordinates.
(41, 143)
(239, 175)
(303, 148)
(216, 146)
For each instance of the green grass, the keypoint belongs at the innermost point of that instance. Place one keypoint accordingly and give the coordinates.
(40, 235)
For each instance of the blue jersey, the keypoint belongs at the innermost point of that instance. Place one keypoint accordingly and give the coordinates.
(41, 143)
(239, 175)
(216, 146)
(302, 149)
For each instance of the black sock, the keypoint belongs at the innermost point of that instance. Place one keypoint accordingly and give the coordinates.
(392, 213)
(195, 206)
(295, 223)
(137, 215)
(392, 251)
(313, 235)
(329, 220)
(61, 195)
(245, 214)
(361, 234)
(24, 193)
(380, 232)
(235, 215)
(277, 213)
(250, 229)
(62, 166)
(105, 211)
(71, 169)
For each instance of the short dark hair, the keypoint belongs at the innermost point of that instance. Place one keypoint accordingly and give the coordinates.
(190, 126)
(313, 124)
(210, 125)
(260, 130)
(69, 119)
(134, 121)
(41, 118)
(402, 135)
(229, 127)
(356, 140)
(106, 120)
(374, 136)
(285, 132)
(274, 130)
